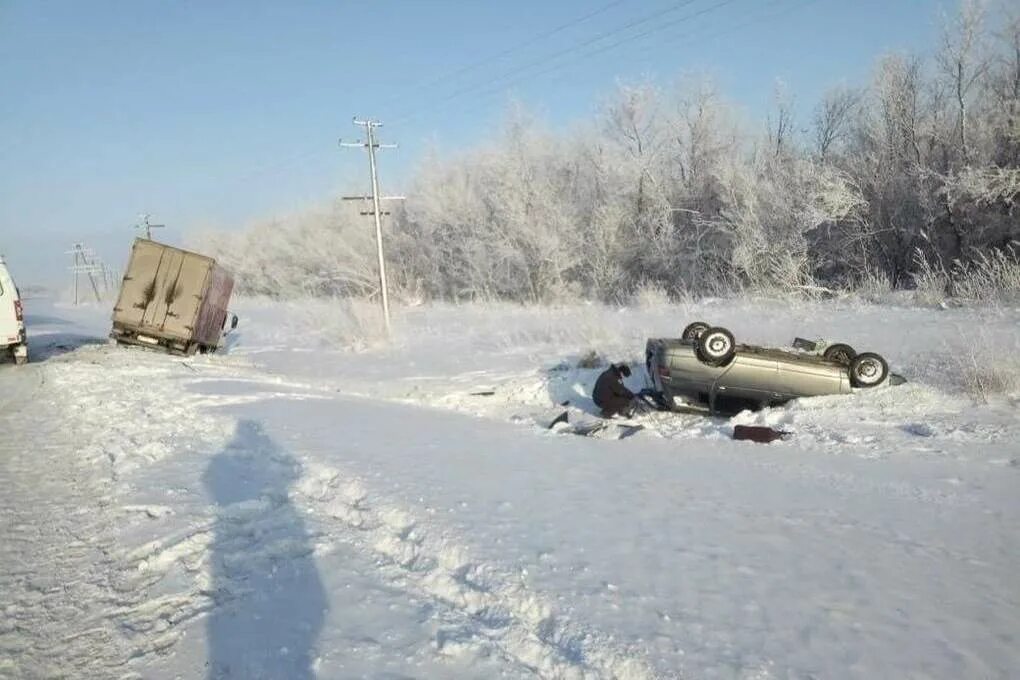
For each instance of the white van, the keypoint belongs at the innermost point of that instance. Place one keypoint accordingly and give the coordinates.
(12, 322)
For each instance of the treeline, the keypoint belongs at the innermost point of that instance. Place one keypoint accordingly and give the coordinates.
(915, 175)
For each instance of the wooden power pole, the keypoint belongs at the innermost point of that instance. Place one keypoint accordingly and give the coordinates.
(371, 144)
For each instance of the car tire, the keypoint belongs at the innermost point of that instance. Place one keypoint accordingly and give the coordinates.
(694, 330)
(715, 346)
(868, 370)
(840, 353)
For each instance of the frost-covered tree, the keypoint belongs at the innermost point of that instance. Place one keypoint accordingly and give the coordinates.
(917, 170)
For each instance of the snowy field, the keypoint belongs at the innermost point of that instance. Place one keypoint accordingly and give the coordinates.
(316, 503)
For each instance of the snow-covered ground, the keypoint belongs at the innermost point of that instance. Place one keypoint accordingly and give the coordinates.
(318, 503)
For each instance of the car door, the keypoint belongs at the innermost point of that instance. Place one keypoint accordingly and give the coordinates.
(688, 375)
(751, 375)
(809, 377)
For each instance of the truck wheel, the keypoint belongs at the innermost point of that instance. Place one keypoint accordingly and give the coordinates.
(840, 353)
(868, 370)
(694, 330)
(715, 346)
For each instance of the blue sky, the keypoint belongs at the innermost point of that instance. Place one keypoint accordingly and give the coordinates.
(217, 113)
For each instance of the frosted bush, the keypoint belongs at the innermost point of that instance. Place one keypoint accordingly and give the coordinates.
(650, 296)
(342, 323)
(931, 281)
(988, 369)
(874, 286)
(991, 276)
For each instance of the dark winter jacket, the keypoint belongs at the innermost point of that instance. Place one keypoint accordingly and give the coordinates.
(609, 388)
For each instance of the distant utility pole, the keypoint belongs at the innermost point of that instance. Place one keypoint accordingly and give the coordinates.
(85, 262)
(371, 144)
(144, 224)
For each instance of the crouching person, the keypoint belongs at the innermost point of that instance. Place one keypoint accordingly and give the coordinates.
(610, 394)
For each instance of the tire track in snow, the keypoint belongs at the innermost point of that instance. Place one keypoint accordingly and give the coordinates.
(495, 611)
(55, 547)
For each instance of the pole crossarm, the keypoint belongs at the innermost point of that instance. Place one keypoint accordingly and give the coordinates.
(144, 224)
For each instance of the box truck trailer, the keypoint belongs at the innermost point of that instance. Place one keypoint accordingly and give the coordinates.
(172, 299)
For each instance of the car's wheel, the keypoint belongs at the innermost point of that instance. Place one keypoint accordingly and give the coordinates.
(868, 369)
(715, 346)
(694, 330)
(840, 353)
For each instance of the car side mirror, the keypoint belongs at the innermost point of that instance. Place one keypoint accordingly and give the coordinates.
(233, 321)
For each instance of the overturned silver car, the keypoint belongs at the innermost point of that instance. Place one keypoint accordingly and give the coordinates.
(706, 366)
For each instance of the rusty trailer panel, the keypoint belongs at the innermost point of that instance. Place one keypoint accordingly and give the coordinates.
(212, 316)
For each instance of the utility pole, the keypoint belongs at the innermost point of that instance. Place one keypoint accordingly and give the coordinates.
(144, 224)
(371, 144)
(84, 262)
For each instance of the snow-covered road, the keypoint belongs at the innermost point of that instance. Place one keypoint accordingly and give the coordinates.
(55, 545)
(293, 511)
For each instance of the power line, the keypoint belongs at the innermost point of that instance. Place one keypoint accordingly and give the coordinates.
(559, 53)
(506, 52)
(604, 48)
(271, 167)
(760, 18)
(507, 78)
(290, 161)
(660, 27)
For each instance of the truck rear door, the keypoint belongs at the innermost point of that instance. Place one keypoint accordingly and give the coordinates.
(184, 292)
(164, 287)
(139, 286)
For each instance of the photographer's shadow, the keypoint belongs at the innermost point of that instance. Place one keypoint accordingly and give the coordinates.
(270, 602)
